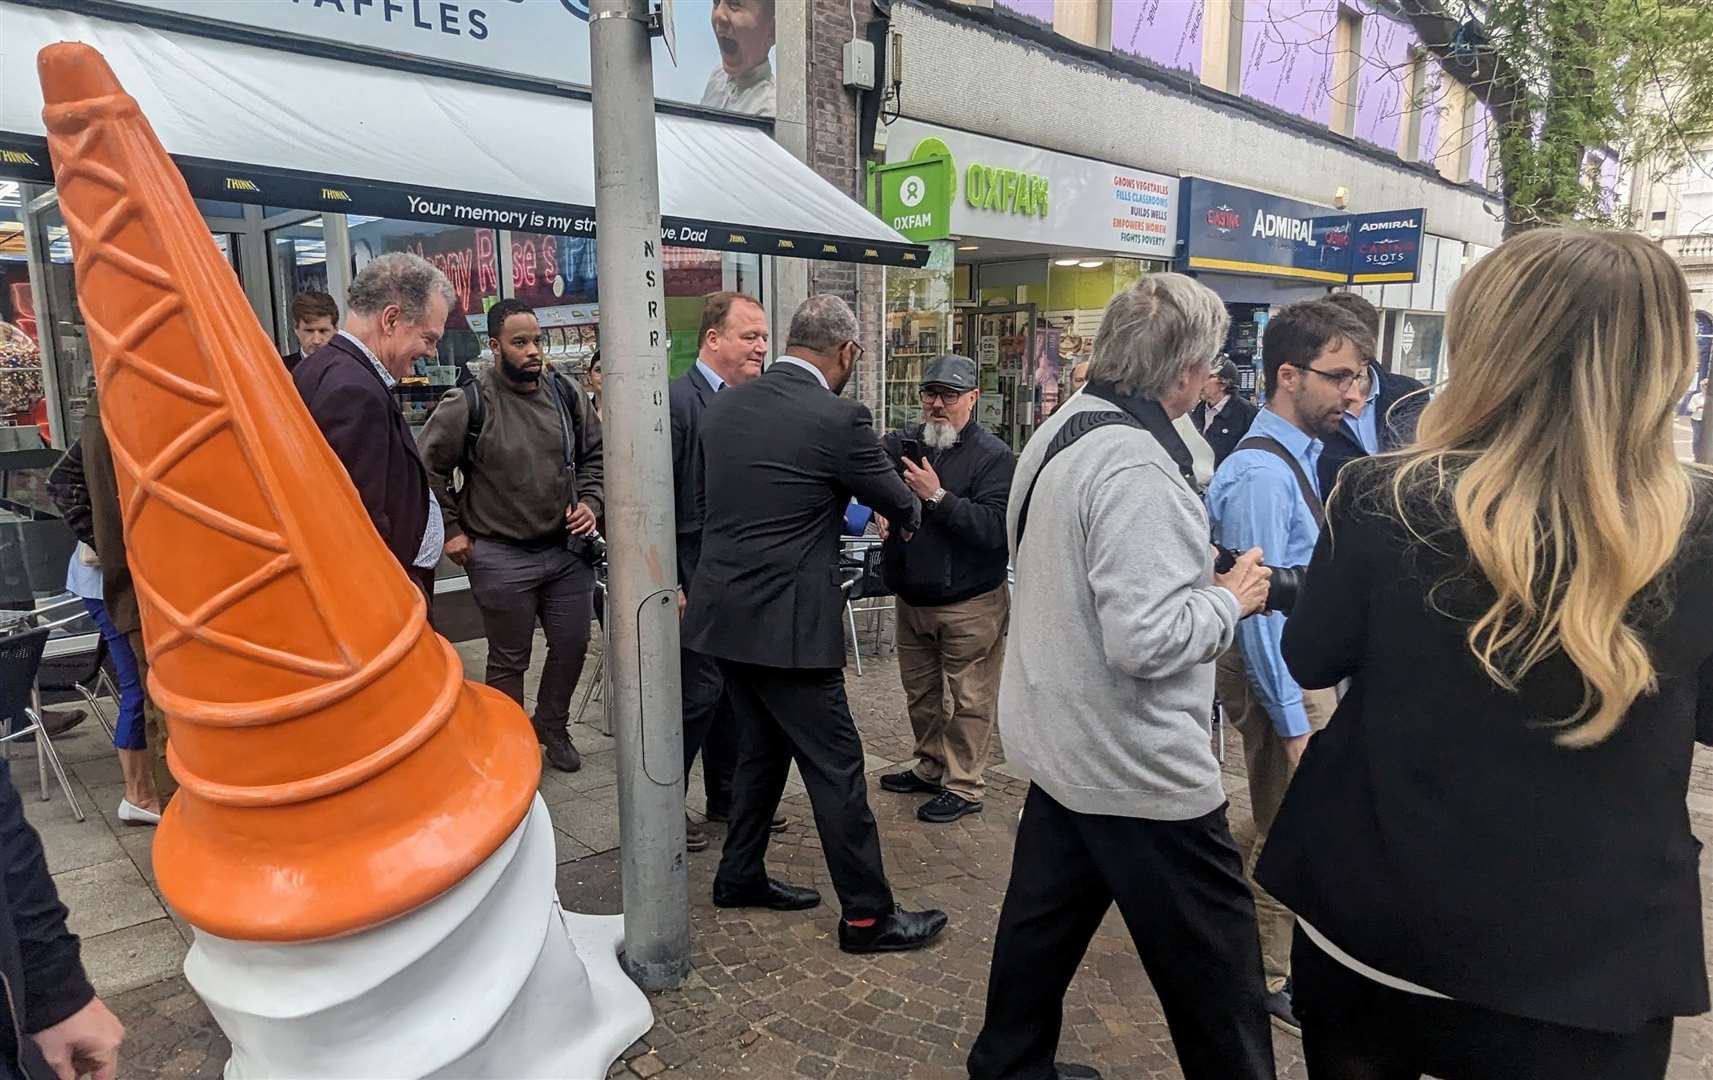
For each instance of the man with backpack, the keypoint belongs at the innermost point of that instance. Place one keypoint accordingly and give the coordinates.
(527, 448)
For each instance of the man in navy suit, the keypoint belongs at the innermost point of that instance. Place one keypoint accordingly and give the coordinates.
(1387, 419)
(395, 312)
(733, 346)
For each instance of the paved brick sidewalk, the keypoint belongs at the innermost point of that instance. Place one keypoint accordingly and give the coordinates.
(771, 995)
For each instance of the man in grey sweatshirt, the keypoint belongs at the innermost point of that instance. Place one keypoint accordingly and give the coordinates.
(1106, 700)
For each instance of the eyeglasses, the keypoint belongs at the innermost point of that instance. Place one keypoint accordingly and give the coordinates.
(943, 396)
(857, 345)
(1344, 380)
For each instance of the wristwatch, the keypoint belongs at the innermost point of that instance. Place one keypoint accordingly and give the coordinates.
(934, 499)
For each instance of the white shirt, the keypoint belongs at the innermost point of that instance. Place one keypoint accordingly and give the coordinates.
(1212, 411)
(752, 92)
(83, 579)
(798, 361)
(434, 533)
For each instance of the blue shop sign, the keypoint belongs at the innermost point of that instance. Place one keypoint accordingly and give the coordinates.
(1235, 230)
(1386, 247)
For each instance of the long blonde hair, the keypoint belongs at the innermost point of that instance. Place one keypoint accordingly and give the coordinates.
(1552, 444)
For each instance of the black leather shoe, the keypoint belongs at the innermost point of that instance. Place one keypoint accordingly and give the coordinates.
(908, 783)
(898, 932)
(561, 751)
(1065, 1071)
(775, 895)
(946, 807)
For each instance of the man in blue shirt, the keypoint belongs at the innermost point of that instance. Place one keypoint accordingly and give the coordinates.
(1266, 495)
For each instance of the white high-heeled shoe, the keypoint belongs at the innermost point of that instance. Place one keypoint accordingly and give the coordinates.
(132, 814)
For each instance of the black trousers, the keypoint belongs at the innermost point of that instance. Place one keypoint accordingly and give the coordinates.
(1356, 1029)
(787, 715)
(709, 728)
(1179, 886)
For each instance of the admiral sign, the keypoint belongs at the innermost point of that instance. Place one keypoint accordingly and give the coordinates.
(1235, 230)
(1386, 247)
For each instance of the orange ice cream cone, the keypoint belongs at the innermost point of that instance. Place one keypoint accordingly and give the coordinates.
(336, 770)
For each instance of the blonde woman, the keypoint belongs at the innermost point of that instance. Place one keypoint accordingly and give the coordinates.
(1487, 848)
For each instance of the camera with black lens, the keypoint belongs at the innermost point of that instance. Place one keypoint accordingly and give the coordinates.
(1282, 588)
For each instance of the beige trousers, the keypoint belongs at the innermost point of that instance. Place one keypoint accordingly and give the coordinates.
(1270, 773)
(949, 659)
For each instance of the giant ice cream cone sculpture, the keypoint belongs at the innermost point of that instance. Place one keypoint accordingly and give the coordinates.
(342, 786)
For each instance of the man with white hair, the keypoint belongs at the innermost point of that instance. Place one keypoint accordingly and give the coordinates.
(1105, 702)
(395, 312)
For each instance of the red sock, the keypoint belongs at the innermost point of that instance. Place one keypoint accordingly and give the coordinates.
(861, 924)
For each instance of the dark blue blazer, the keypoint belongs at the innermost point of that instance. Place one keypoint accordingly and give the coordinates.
(782, 457)
(687, 397)
(362, 422)
(1396, 426)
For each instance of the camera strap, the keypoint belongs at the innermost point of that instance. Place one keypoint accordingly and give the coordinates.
(1269, 445)
(1135, 412)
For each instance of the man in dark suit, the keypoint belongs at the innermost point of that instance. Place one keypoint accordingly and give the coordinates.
(733, 346)
(395, 312)
(314, 321)
(783, 454)
(1222, 415)
(1387, 418)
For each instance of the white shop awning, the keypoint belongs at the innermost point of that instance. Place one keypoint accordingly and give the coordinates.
(284, 129)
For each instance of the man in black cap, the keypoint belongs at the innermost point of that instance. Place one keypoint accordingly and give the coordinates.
(953, 603)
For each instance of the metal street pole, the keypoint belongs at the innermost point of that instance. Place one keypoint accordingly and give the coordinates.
(642, 606)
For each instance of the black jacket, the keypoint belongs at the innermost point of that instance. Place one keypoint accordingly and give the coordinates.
(1395, 425)
(291, 360)
(961, 549)
(688, 396)
(362, 422)
(43, 975)
(1435, 831)
(782, 457)
(1230, 424)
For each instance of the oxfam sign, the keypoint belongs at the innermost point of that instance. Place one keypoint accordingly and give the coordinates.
(1008, 191)
(1011, 191)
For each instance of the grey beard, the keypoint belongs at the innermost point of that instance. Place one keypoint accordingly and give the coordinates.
(939, 434)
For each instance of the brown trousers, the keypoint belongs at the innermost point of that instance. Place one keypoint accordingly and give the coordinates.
(949, 659)
(154, 721)
(1270, 772)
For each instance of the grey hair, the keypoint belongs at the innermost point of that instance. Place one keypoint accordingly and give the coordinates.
(822, 324)
(398, 278)
(1155, 331)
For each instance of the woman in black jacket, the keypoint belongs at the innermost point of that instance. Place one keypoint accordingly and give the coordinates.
(1488, 848)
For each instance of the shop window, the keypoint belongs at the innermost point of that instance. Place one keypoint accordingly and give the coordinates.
(298, 257)
(21, 389)
(918, 328)
(1419, 342)
(556, 276)
(470, 260)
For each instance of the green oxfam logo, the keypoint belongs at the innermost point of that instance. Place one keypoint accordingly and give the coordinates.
(915, 196)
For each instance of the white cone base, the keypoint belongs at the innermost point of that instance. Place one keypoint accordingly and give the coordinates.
(490, 980)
